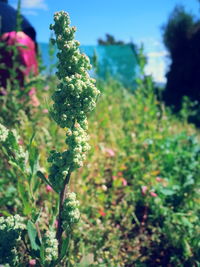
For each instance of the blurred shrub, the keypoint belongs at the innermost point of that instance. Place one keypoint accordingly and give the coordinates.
(182, 38)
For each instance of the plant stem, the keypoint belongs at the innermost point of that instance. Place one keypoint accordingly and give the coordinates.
(61, 202)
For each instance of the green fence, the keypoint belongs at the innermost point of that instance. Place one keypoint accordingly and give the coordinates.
(116, 61)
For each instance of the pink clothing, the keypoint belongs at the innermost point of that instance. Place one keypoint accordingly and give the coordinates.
(26, 56)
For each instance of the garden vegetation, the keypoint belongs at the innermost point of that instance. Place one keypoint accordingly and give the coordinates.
(137, 189)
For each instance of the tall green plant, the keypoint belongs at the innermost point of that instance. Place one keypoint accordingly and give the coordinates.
(74, 97)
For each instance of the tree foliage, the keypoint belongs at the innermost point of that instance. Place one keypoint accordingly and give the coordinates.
(181, 36)
(109, 40)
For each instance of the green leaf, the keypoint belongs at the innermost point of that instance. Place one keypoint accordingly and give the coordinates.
(87, 260)
(189, 180)
(41, 175)
(186, 222)
(64, 248)
(25, 198)
(12, 141)
(5, 213)
(36, 215)
(33, 159)
(31, 140)
(42, 255)
(167, 191)
(32, 233)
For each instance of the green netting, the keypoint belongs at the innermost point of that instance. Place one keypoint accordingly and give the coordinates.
(117, 61)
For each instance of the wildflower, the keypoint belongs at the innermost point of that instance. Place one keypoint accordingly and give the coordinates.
(11, 229)
(3, 91)
(153, 194)
(32, 262)
(32, 91)
(144, 190)
(158, 179)
(45, 111)
(34, 101)
(51, 246)
(104, 187)
(49, 189)
(70, 214)
(102, 213)
(110, 152)
(74, 97)
(20, 142)
(124, 182)
(56, 223)
(3, 133)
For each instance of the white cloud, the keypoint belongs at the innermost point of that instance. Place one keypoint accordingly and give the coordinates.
(157, 61)
(158, 54)
(34, 4)
(157, 65)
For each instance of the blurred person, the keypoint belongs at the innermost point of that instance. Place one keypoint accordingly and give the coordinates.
(24, 41)
(8, 18)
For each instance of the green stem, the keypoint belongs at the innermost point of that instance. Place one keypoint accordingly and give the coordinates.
(62, 199)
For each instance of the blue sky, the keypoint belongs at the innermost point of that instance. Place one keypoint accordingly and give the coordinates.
(136, 20)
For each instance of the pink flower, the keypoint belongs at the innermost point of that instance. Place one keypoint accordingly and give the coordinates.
(114, 177)
(3, 91)
(153, 194)
(32, 92)
(124, 182)
(158, 179)
(144, 190)
(20, 142)
(56, 223)
(34, 101)
(32, 262)
(49, 188)
(110, 152)
(45, 111)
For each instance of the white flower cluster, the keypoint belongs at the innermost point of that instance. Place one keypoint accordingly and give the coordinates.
(51, 246)
(70, 214)
(17, 150)
(77, 141)
(15, 222)
(12, 145)
(3, 133)
(75, 96)
(11, 229)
